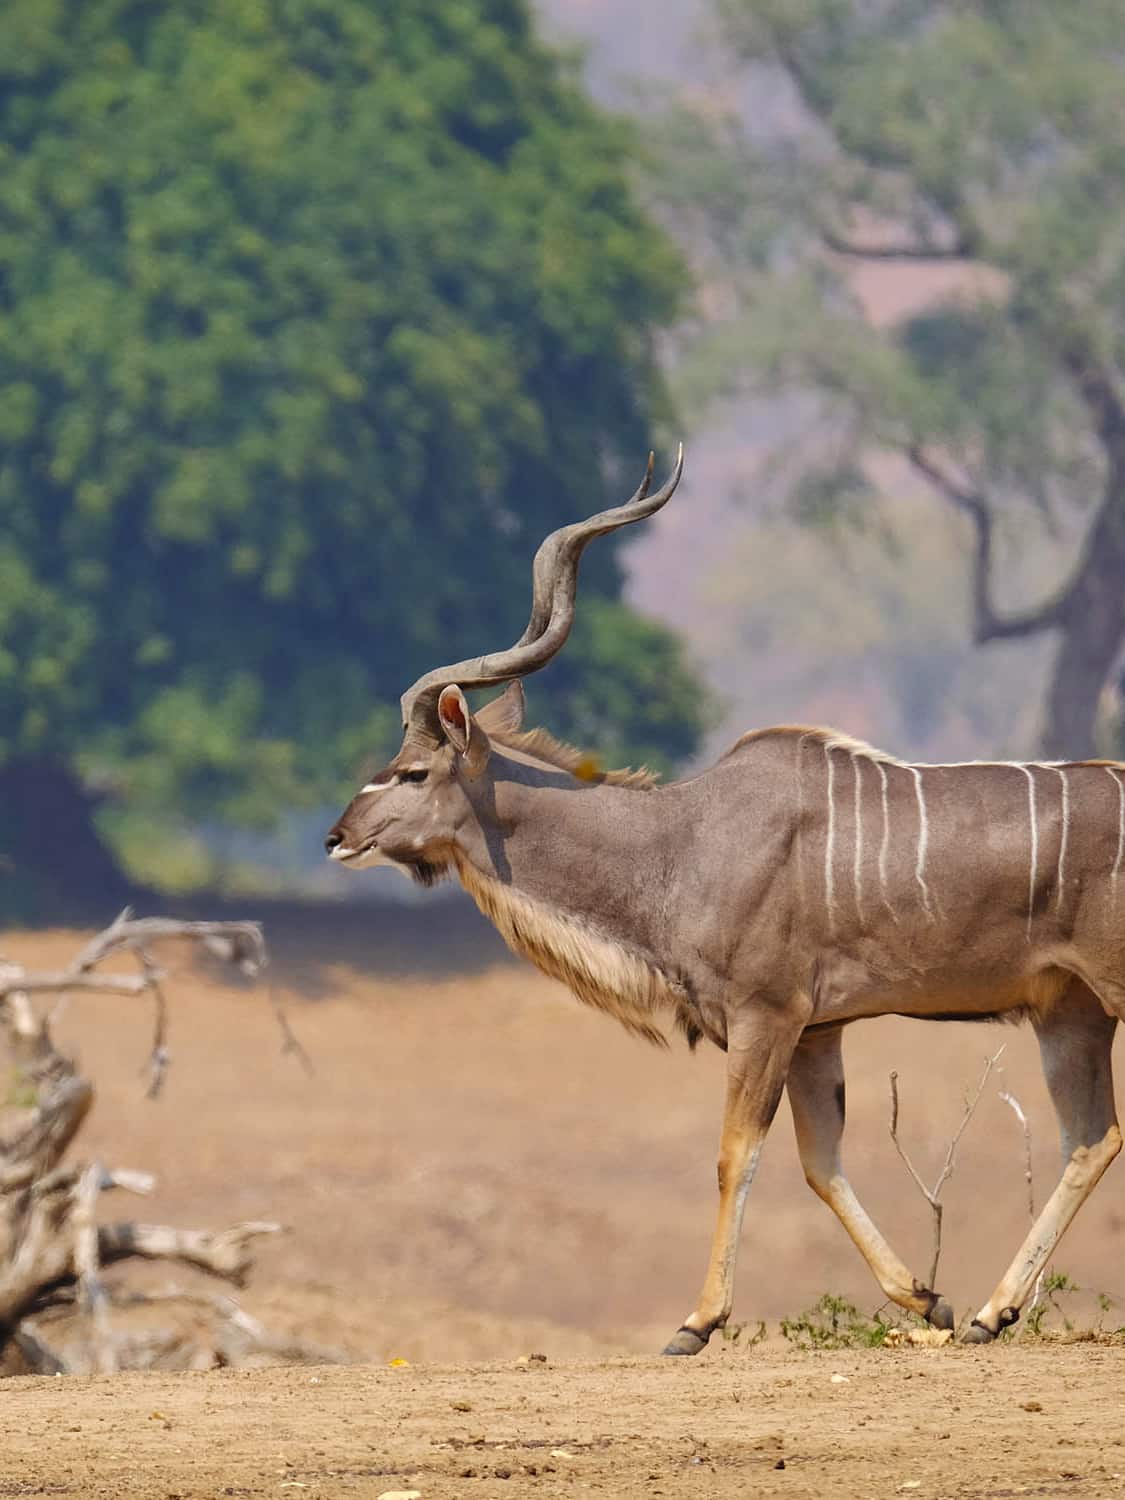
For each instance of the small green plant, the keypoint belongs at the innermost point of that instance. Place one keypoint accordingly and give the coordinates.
(835, 1323)
(1056, 1284)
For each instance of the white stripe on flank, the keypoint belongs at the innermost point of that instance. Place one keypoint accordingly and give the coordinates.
(1059, 877)
(885, 844)
(857, 868)
(923, 841)
(1113, 874)
(829, 887)
(1034, 845)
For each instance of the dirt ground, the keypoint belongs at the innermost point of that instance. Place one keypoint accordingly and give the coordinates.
(1013, 1421)
(480, 1170)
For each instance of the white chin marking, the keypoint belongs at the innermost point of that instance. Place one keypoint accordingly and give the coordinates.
(370, 859)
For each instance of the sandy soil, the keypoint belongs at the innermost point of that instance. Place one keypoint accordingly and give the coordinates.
(480, 1170)
(1011, 1421)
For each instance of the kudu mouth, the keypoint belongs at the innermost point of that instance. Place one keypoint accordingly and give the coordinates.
(344, 854)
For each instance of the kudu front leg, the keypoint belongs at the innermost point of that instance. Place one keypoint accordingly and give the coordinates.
(758, 1056)
(1076, 1045)
(816, 1095)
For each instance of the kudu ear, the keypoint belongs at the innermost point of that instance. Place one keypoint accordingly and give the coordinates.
(504, 715)
(463, 732)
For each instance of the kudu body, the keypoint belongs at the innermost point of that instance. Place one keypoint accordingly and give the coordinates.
(802, 883)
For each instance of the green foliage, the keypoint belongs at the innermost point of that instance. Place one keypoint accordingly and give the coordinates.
(314, 317)
(834, 1323)
(1054, 1306)
(1056, 1285)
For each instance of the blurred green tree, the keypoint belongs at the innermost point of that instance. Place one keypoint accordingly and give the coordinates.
(986, 144)
(315, 315)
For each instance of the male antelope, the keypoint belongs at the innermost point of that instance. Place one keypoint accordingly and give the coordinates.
(803, 882)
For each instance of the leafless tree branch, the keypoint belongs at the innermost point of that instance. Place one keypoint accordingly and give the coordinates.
(959, 249)
(933, 1195)
(988, 625)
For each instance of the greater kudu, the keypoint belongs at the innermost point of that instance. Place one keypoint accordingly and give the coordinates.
(803, 882)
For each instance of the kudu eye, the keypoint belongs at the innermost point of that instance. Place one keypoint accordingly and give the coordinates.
(415, 773)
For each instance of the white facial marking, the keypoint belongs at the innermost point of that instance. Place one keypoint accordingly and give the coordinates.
(1113, 874)
(1034, 845)
(1065, 834)
(368, 859)
(829, 843)
(375, 786)
(923, 841)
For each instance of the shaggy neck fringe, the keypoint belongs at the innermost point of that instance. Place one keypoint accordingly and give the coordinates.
(599, 971)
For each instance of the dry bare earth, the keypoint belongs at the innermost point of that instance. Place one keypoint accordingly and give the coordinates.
(1039, 1421)
(479, 1170)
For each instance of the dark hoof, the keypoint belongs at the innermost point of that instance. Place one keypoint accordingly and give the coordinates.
(977, 1333)
(941, 1315)
(686, 1341)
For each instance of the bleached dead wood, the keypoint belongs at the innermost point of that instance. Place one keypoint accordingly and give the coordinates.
(52, 1247)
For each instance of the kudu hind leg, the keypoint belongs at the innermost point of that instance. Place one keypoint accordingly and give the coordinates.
(816, 1095)
(1076, 1044)
(758, 1055)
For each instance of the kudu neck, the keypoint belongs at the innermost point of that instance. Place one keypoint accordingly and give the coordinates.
(576, 848)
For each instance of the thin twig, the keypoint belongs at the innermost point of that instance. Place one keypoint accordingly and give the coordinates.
(933, 1195)
(289, 1042)
(1025, 1125)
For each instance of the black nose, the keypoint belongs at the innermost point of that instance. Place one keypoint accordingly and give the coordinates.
(333, 841)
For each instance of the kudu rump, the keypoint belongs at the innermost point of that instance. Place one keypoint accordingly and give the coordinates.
(803, 882)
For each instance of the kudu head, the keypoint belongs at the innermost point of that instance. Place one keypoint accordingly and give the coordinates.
(409, 814)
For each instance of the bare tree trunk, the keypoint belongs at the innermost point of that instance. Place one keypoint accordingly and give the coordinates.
(1092, 632)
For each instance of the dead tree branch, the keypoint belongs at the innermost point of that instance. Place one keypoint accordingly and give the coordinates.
(904, 250)
(933, 1195)
(53, 1250)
